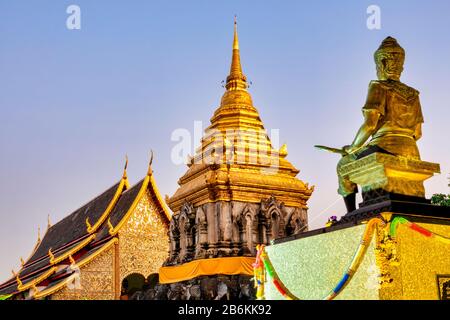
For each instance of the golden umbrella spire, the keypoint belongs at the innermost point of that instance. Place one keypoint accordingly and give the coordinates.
(236, 79)
(235, 40)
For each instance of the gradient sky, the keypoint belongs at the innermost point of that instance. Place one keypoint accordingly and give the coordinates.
(73, 103)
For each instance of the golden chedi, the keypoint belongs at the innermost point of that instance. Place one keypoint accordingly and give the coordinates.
(238, 190)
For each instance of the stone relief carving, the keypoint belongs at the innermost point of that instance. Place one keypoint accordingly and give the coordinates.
(230, 228)
(187, 227)
(296, 222)
(201, 239)
(174, 238)
(274, 213)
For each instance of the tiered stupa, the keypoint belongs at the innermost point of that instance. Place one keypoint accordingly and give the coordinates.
(237, 192)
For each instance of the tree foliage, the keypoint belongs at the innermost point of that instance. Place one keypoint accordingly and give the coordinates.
(441, 199)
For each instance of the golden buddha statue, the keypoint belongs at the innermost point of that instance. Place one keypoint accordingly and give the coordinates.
(392, 118)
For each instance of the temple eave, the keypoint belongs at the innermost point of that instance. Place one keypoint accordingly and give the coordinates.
(290, 192)
(270, 167)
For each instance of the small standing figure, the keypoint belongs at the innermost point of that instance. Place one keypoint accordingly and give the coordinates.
(331, 221)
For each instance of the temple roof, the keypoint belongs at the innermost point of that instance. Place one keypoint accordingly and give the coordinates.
(80, 236)
(73, 227)
(120, 209)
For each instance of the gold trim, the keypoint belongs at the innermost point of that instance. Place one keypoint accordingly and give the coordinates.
(19, 283)
(37, 280)
(149, 179)
(110, 227)
(73, 250)
(387, 216)
(132, 207)
(88, 226)
(159, 198)
(116, 271)
(123, 183)
(98, 252)
(46, 292)
(51, 255)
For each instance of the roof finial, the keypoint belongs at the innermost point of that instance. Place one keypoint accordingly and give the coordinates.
(19, 283)
(22, 263)
(48, 222)
(150, 171)
(236, 79)
(88, 226)
(110, 227)
(51, 255)
(125, 167)
(39, 234)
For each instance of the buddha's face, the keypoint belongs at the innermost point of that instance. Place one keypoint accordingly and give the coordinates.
(389, 67)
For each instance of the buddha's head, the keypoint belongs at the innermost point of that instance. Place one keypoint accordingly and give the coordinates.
(389, 59)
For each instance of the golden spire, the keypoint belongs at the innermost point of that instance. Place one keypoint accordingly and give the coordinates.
(235, 40)
(49, 224)
(236, 79)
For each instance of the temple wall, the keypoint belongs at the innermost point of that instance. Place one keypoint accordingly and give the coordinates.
(96, 280)
(143, 241)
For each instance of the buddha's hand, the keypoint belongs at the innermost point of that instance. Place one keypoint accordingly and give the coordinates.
(349, 149)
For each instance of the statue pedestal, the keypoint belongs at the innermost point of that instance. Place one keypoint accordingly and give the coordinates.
(412, 264)
(380, 175)
(409, 266)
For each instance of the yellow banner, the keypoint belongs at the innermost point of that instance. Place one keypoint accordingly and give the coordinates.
(206, 267)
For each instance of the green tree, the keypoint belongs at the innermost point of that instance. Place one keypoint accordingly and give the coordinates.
(441, 199)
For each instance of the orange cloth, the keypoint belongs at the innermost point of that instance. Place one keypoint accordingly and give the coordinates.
(205, 267)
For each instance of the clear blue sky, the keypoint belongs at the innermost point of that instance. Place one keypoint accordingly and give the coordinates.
(73, 103)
